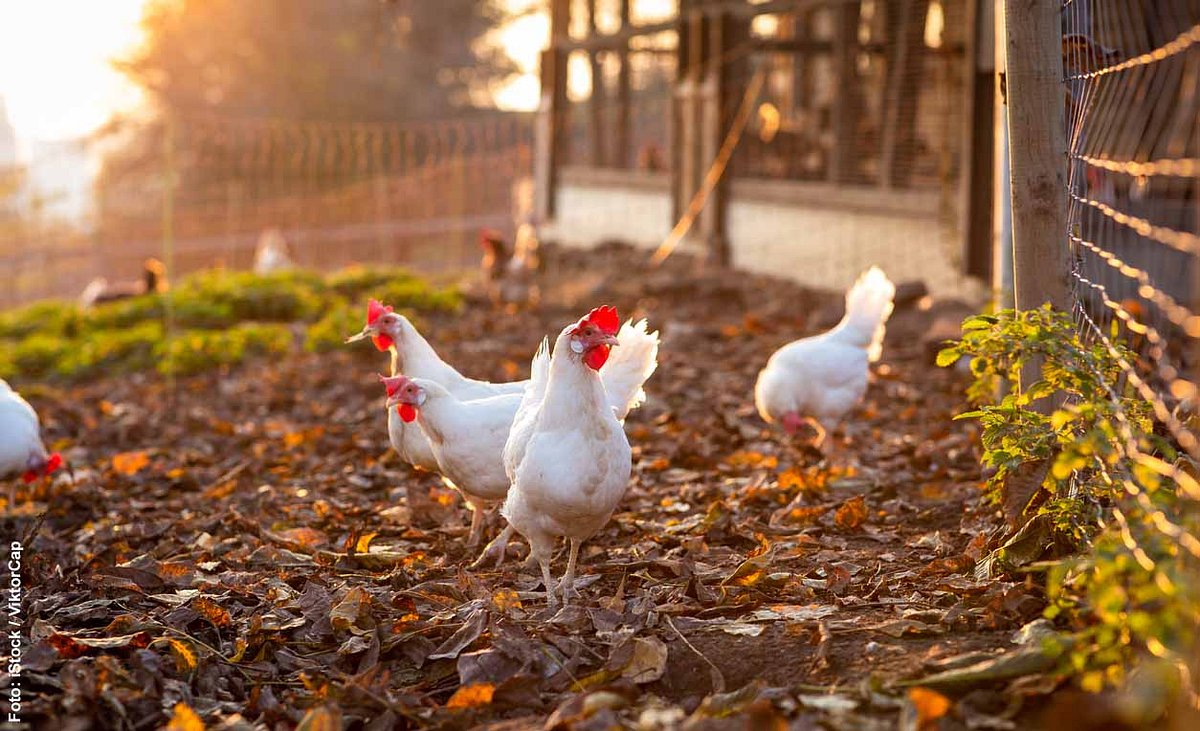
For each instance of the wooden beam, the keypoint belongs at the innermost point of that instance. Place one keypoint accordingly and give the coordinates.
(622, 140)
(550, 143)
(975, 176)
(845, 102)
(598, 130)
(1037, 152)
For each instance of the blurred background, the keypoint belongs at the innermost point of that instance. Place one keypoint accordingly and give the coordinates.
(394, 130)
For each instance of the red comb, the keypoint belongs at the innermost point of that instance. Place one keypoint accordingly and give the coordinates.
(605, 318)
(53, 463)
(376, 310)
(392, 383)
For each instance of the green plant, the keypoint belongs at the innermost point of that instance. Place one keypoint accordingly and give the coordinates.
(356, 281)
(1112, 487)
(195, 351)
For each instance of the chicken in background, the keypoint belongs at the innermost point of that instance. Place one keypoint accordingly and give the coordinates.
(819, 379)
(273, 254)
(100, 290)
(567, 454)
(510, 275)
(21, 449)
(467, 440)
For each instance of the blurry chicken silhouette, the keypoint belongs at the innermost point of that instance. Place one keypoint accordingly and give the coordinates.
(100, 290)
(510, 275)
(272, 253)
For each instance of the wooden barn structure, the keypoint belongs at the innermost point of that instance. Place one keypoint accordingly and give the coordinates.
(821, 136)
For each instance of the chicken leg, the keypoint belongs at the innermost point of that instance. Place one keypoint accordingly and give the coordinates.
(567, 585)
(494, 548)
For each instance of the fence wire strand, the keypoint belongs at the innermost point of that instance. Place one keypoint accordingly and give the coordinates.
(1131, 72)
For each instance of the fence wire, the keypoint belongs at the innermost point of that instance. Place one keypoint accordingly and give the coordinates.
(1131, 85)
(414, 194)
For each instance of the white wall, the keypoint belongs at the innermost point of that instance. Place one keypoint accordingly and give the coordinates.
(603, 205)
(812, 233)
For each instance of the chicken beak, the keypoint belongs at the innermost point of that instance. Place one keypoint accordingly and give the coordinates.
(393, 402)
(368, 331)
(610, 340)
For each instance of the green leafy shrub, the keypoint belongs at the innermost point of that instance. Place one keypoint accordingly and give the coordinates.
(39, 355)
(62, 319)
(276, 297)
(124, 313)
(214, 310)
(330, 332)
(357, 282)
(195, 351)
(418, 295)
(1114, 489)
(113, 351)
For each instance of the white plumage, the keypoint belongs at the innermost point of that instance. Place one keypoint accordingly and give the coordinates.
(567, 453)
(412, 355)
(272, 253)
(21, 450)
(824, 376)
(466, 438)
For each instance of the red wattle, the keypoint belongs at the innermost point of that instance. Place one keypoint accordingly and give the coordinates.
(382, 342)
(408, 413)
(596, 357)
(53, 463)
(29, 476)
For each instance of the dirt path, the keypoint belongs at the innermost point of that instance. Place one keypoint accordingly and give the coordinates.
(247, 544)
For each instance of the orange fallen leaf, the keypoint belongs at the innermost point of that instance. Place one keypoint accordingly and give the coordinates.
(363, 544)
(470, 696)
(930, 706)
(307, 537)
(321, 718)
(506, 599)
(743, 458)
(211, 611)
(184, 719)
(851, 514)
(130, 463)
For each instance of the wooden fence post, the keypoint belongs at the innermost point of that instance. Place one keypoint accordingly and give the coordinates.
(551, 133)
(1037, 152)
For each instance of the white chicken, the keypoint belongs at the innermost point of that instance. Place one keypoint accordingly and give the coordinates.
(21, 449)
(413, 356)
(272, 253)
(819, 379)
(466, 438)
(567, 454)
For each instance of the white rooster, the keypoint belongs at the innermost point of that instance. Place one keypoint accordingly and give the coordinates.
(819, 379)
(21, 449)
(567, 454)
(466, 438)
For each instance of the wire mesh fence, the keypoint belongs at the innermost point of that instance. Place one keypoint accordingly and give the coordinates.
(410, 194)
(1131, 80)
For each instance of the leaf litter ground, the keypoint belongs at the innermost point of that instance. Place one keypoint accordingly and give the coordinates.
(243, 548)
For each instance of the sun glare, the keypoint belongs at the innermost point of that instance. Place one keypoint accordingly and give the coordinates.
(55, 75)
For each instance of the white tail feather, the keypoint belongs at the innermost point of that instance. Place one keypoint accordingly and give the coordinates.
(868, 306)
(629, 366)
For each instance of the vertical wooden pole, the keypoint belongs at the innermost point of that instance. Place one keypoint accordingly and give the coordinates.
(1037, 152)
(905, 67)
(1002, 250)
(622, 154)
(599, 130)
(168, 237)
(845, 102)
(716, 114)
(975, 178)
(551, 134)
